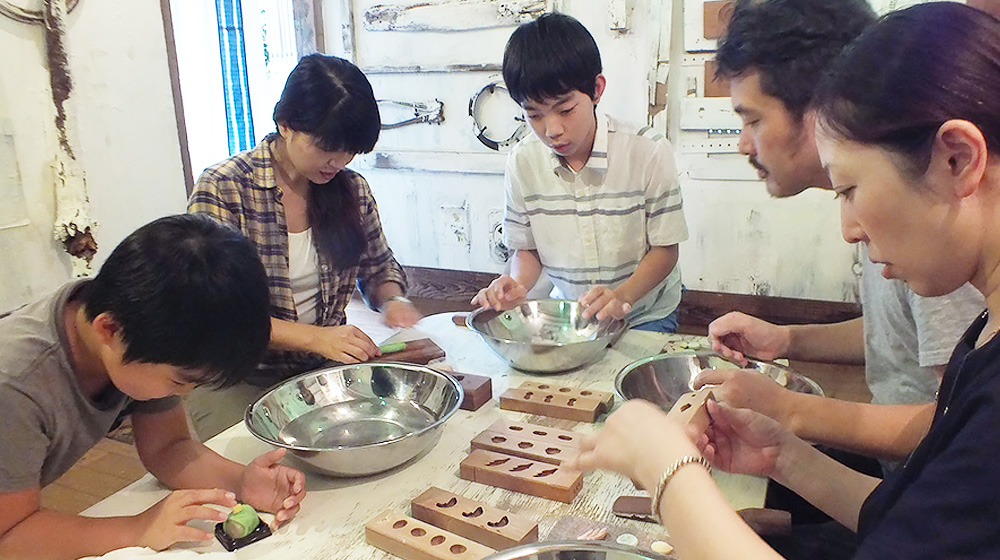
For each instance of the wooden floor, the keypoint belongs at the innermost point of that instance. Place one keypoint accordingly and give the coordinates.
(112, 465)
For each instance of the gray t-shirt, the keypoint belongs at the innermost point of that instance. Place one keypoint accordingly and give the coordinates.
(906, 335)
(48, 423)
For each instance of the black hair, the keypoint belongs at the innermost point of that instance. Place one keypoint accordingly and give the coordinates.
(188, 292)
(331, 100)
(789, 43)
(550, 56)
(914, 70)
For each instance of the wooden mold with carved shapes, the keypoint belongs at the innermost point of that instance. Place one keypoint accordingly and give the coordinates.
(556, 401)
(468, 518)
(412, 539)
(690, 408)
(545, 480)
(538, 443)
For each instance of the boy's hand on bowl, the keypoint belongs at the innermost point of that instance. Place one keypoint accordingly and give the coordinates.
(604, 303)
(503, 293)
(269, 486)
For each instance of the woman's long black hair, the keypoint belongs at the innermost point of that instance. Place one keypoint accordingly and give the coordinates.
(331, 100)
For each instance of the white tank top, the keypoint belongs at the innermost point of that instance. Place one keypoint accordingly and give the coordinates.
(303, 275)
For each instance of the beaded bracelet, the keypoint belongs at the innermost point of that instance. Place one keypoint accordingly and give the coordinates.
(668, 474)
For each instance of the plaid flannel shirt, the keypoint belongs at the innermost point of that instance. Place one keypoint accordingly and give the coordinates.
(242, 192)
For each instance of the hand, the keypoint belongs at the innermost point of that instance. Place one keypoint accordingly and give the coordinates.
(742, 441)
(638, 441)
(751, 389)
(503, 293)
(400, 314)
(604, 302)
(737, 335)
(166, 522)
(346, 344)
(268, 486)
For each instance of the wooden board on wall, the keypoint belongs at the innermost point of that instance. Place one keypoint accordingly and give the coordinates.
(716, 19)
(714, 87)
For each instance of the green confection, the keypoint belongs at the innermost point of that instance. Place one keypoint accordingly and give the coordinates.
(241, 522)
(392, 347)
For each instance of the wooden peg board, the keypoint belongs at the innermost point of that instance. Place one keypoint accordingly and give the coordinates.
(478, 389)
(541, 434)
(607, 399)
(534, 401)
(411, 539)
(690, 408)
(522, 447)
(484, 524)
(522, 475)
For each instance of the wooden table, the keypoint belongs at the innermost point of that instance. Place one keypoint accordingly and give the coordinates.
(331, 522)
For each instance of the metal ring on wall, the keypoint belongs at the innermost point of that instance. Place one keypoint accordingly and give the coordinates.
(482, 130)
(24, 15)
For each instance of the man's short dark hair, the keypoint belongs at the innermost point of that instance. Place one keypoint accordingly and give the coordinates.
(789, 43)
(188, 292)
(551, 56)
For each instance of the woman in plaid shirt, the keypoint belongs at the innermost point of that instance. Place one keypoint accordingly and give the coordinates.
(315, 226)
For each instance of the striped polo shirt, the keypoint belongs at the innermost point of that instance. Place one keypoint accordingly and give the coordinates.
(592, 227)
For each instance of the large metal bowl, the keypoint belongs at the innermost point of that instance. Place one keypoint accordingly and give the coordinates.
(575, 550)
(545, 335)
(356, 420)
(662, 379)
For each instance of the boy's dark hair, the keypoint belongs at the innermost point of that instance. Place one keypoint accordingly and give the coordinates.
(905, 77)
(789, 43)
(188, 292)
(550, 56)
(331, 100)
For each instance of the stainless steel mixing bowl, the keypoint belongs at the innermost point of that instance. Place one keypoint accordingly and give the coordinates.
(574, 550)
(662, 379)
(358, 419)
(545, 335)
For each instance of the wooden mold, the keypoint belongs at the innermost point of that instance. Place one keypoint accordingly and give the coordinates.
(478, 389)
(522, 447)
(411, 539)
(544, 480)
(543, 434)
(484, 524)
(420, 352)
(607, 399)
(690, 408)
(534, 401)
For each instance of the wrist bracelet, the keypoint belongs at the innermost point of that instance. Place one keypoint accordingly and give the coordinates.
(661, 486)
(400, 299)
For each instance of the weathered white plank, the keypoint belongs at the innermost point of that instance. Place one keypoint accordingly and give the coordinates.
(452, 15)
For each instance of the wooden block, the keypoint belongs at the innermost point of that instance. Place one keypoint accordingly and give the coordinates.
(716, 18)
(607, 399)
(580, 409)
(460, 319)
(522, 447)
(411, 539)
(690, 408)
(484, 524)
(715, 87)
(478, 389)
(521, 475)
(543, 434)
(418, 352)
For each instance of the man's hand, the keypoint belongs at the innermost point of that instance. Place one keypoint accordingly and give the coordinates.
(736, 336)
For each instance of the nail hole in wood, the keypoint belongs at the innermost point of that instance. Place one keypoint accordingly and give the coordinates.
(585, 393)
(564, 389)
(543, 387)
(548, 398)
(528, 395)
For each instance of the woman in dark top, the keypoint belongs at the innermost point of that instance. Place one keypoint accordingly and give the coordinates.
(908, 122)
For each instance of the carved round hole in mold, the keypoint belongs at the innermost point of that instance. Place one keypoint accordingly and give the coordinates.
(417, 532)
(540, 433)
(571, 402)
(457, 549)
(450, 503)
(438, 539)
(543, 387)
(566, 438)
(399, 524)
(548, 398)
(586, 393)
(528, 395)
(498, 439)
(685, 406)
(552, 450)
(525, 444)
(564, 389)
(515, 428)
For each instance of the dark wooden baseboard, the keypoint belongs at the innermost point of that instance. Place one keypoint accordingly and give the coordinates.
(436, 290)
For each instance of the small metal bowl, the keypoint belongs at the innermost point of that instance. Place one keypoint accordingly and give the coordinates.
(575, 550)
(545, 335)
(358, 419)
(662, 379)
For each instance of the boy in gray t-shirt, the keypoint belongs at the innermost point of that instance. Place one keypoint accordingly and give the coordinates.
(181, 302)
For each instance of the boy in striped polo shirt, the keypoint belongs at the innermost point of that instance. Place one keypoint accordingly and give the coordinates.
(594, 205)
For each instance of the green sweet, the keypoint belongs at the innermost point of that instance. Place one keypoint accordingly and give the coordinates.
(241, 522)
